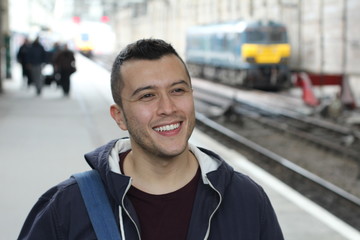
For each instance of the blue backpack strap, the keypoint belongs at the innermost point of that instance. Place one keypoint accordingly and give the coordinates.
(97, 205)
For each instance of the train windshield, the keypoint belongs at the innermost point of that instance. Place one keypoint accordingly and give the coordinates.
(266, 35)
(85, 37)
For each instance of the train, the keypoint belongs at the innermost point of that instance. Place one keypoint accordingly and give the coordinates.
(94, 38)
(84, 44)
(250, 54)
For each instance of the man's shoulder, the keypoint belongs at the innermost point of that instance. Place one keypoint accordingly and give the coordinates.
(234, 179)
(63, 189)
(242, 178)
(53, 214)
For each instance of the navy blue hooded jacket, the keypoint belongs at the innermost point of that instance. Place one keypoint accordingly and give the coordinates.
(228, 205)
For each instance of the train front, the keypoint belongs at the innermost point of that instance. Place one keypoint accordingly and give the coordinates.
(266, 50)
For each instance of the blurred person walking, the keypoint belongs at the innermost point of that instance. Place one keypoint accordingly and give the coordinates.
(52, 54)
(36, 59)
(64, 65)
(53, 51)
(22, 58)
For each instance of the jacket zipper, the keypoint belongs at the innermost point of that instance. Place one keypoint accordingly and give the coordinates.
(217, 207)
(122, 200)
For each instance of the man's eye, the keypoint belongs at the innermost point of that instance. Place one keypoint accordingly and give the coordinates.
(147, 97)
(178, 90)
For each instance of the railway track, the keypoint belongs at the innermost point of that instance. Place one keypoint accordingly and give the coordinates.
(334, 137)
(299, 165)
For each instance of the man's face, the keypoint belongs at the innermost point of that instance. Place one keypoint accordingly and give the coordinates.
(158, 106)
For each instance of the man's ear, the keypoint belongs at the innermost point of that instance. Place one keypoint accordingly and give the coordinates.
(117, 114)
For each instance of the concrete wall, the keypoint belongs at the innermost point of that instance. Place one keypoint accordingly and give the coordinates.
(352, 37)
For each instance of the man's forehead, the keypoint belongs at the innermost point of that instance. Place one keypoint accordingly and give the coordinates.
(162, 59)
(168, 66)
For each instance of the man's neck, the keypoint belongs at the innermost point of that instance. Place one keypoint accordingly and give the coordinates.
(157, 175)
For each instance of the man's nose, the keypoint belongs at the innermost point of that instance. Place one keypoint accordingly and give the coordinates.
(166, 105)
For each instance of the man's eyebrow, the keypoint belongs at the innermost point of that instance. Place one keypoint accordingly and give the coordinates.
(142, 89)
(153, 87)
(180, 82)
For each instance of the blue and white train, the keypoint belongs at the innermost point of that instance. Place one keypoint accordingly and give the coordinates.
(241, 53)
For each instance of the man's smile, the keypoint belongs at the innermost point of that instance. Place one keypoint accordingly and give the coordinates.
(169, 127)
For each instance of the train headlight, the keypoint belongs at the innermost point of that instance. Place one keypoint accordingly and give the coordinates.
(250, 60)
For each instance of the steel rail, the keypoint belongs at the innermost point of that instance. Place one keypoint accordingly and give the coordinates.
(275, 157)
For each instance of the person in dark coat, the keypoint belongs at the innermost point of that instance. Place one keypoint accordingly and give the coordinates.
(64, 65)
(36, 59)
(22, 58)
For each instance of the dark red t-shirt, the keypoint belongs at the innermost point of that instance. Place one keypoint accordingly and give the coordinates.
(165, 216)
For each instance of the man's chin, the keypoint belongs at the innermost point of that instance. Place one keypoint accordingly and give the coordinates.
(171, 153)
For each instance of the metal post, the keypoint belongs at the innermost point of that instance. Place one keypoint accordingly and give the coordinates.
(6, 38)
(2, 11)
(344, 35)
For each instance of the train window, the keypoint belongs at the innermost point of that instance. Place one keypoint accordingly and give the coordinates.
(204, 45)
(265, 35)
(217, 42)
(224, 43)
(255, 36)
(234, 43)
(277, 35)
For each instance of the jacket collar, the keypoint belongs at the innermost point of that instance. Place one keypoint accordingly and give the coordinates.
(106, 160)
(208, 162)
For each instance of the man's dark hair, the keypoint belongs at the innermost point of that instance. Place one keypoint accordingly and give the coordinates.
(144, 49)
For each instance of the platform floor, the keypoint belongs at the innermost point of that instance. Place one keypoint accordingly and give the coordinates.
(43, 140)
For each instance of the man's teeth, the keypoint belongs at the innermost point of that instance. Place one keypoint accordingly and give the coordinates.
(167, 127)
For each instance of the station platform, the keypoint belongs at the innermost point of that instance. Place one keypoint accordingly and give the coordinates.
(43, 140)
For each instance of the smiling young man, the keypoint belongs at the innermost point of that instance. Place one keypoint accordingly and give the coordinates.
(159, 185)
(156, 107)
